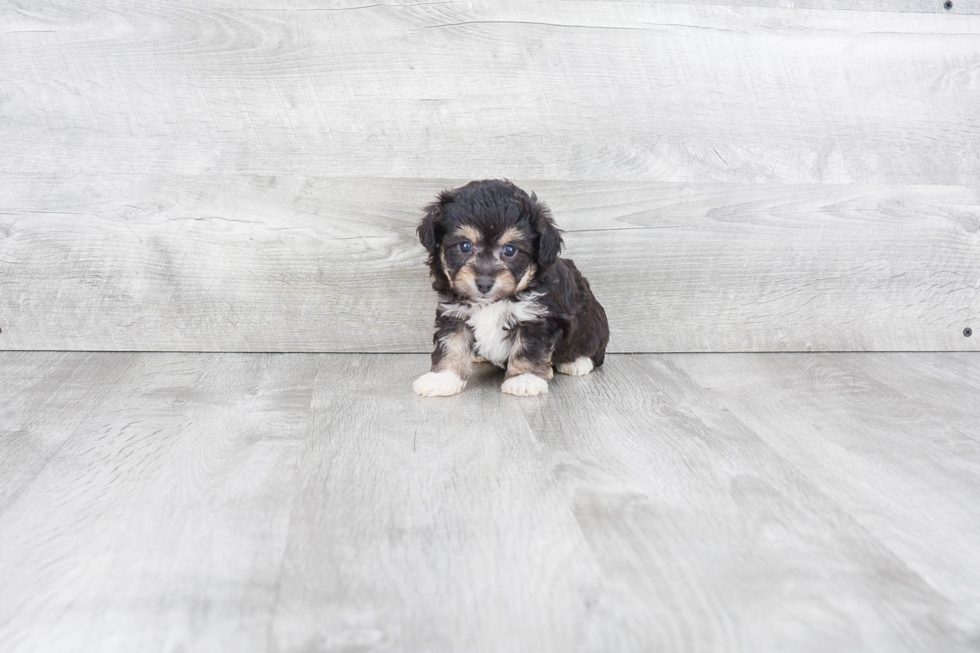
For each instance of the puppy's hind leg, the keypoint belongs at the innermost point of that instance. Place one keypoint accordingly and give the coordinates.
(578, 367)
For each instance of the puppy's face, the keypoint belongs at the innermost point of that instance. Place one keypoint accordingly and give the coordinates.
(487, 240)
(485, 265)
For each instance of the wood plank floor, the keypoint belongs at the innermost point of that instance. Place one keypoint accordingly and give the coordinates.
(310, 502)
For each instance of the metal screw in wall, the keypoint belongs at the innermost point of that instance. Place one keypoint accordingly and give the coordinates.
(967, 332)
(948, 5)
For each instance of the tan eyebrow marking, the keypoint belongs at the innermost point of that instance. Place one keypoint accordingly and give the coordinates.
(468, 232)
(512, 235)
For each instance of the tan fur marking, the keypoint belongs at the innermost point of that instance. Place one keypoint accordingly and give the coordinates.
(512, 235)
(527, 276)
(445, 266)
(505, 284)
(465, 281)
(457, 354)
(517, 365)
(471, 234)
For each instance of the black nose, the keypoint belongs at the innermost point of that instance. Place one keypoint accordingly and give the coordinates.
(484, 284)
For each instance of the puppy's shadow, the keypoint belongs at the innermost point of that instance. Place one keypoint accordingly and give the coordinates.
(485, 376)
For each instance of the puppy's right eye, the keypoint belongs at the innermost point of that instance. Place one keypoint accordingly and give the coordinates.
(466, 247)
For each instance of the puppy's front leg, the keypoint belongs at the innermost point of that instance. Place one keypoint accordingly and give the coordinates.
(529, 365)
(451, 360)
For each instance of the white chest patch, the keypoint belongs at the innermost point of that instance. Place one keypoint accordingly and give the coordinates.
(492, 333)
(493, 324)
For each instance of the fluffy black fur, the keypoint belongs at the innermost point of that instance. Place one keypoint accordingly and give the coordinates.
(573, 323)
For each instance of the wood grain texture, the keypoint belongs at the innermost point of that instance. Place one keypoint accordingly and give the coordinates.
(43, 400)
(898, 449)
(160, 524)
(297, 503)
(700, 527)
(256, 263)
(546, 90)
(911, 6)
(231, 177)
(429, 525)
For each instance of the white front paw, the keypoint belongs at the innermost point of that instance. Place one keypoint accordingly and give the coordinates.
(525, 385)
(438, 384)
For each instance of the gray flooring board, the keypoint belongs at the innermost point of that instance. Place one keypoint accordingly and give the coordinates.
(43, 401)
(428, 525)
(703, 528)
(894, 440)
(161, 522)
(310, 502)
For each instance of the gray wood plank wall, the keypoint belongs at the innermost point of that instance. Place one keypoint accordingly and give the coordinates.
(227, 177)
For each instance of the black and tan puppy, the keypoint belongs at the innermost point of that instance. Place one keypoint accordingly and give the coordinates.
(505, 295)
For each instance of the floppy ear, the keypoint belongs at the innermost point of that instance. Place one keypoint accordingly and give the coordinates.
(549, 237)
(430, 229)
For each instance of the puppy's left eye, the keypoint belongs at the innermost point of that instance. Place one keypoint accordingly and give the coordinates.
(466, 247)
(509, 250)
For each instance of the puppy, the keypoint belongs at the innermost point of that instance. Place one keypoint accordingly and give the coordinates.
(504, 294)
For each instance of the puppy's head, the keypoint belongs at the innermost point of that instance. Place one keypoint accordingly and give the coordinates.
(488, 239)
